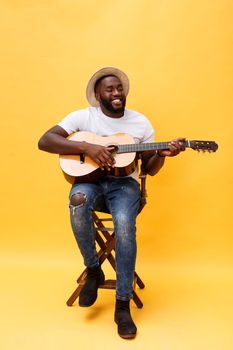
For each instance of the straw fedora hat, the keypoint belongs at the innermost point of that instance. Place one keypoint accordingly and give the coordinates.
(90, 91)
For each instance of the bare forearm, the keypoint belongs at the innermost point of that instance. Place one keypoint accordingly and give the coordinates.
(55, 143)
(153, 164)
(153, 160)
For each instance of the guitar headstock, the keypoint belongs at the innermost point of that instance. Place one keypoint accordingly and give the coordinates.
(209, 146)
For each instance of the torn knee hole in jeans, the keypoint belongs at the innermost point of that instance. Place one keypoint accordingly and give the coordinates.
(78, 199)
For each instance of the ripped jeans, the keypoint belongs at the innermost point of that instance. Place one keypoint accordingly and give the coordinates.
(121, 197)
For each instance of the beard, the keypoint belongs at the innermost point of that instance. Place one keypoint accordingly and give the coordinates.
(108, 105)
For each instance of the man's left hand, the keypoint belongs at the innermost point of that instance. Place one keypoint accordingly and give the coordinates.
(175, 147)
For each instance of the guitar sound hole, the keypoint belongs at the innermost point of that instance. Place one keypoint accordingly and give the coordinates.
(115, 148)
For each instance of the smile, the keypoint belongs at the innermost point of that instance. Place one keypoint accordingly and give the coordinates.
(117, 101)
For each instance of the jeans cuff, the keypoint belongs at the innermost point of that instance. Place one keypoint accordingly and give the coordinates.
(124, 298)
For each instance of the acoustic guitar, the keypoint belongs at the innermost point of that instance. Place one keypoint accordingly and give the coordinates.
(81, 168)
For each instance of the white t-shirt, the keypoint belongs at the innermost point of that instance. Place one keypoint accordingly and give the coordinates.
(94, 120)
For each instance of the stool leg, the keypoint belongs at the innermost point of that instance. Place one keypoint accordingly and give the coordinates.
(137, 300)
(105, 253)
(139, 282)
(74, 296)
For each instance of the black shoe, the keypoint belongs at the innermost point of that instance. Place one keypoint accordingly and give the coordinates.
(88, 294)
(126, 327)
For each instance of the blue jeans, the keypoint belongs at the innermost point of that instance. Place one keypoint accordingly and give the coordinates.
(121, 197)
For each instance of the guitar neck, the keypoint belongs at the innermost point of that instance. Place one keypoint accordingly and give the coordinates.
(140, 147)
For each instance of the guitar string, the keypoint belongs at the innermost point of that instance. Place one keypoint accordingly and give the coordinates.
(128, 148)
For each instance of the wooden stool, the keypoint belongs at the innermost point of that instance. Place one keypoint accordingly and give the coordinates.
(105, 238)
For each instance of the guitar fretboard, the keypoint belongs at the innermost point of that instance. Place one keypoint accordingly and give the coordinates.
(139, 147)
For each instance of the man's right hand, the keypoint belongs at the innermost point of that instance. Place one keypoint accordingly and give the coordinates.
(55, 141)
(101, 155)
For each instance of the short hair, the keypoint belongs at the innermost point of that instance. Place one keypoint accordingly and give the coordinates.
(100, 79)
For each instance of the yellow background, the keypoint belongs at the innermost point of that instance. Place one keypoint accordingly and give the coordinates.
(178, 56)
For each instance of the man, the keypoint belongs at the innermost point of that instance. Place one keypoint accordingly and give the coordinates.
(106, 93)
